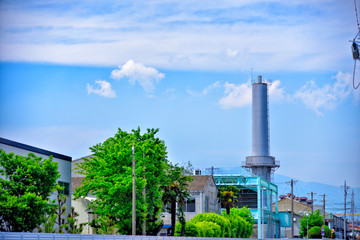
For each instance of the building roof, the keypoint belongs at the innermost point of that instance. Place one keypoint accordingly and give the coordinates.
(284, 205)
(34, 149)
(199, 182)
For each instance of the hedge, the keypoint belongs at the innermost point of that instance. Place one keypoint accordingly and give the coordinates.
(223, 222)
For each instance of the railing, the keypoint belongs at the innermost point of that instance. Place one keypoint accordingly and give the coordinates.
(58, 236)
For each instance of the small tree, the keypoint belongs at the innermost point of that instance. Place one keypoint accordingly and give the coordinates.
(60, 210)
(315, 219)
(26, 184)
(72, 226)
(175, 191)
(228, 196)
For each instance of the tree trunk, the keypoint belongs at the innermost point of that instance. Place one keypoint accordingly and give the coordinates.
(173, 218)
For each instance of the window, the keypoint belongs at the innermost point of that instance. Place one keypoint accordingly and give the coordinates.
(66, 190)
(190, 205)
(206, 204)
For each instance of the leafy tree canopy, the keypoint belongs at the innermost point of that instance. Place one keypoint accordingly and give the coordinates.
(25, 190)
(228, 196)
(108, 176)
(315, 219)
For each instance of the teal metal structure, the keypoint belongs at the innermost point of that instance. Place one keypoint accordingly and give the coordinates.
(262, 211)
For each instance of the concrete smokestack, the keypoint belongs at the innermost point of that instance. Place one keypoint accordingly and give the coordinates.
(261, 163)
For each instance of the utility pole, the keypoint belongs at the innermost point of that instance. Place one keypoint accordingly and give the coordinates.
(345, 193)
(312, 201)
(323, 206)
(144, 195)
(292, 206)
(352, 212)
(133, 194)
(211, 169)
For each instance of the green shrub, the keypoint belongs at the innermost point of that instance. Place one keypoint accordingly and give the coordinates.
(191, 230)
(241, 221)
(177, 231)
(208, 229)
(315, 232)
(223, 222)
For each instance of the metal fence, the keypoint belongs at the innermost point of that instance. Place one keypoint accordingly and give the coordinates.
(58, 236)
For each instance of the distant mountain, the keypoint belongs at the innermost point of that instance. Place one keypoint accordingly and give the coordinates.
(334, 195)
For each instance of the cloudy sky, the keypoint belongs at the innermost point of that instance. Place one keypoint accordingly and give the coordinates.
(72, 73)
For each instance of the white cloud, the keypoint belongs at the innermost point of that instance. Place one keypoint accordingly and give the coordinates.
(231, 53)
(327, 97)
(179, 39)
(211, 87)
(276, 93)
(241, 95)
(206, 90)
(137, 72)
(103, 90)
(236, 95)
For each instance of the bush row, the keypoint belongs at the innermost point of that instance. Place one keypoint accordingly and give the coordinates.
(237, 224)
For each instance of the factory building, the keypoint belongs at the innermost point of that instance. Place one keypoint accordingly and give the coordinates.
(257, 191)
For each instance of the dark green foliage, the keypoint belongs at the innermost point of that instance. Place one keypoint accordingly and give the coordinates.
(223, 222)
(315, 219)
(315, 232)
(109, 177)
(25, 190)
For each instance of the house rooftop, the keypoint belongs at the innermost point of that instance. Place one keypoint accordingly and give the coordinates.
(199, 182)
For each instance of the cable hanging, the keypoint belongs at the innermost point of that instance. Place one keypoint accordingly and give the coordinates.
(355, 47)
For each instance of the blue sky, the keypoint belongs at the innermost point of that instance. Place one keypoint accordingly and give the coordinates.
(71, 74)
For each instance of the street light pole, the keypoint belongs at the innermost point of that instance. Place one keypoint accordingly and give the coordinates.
(133, 194)
(307, 226)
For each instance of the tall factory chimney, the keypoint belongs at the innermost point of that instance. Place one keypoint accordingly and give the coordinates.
(260, 163)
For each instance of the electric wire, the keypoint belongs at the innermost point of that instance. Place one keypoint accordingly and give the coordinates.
(356, 46)
(357, 19)
(354, 77)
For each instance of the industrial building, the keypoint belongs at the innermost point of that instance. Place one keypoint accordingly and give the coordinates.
(257, 191)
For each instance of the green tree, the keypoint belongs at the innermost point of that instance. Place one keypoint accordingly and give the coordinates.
(48, 224)
(72, 226)
(175, 192)
(25, 189)
(60, 210)
(228, 196)
(108, 176)
(315, 219)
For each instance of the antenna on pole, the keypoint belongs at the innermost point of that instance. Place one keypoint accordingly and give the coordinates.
(251, 75)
